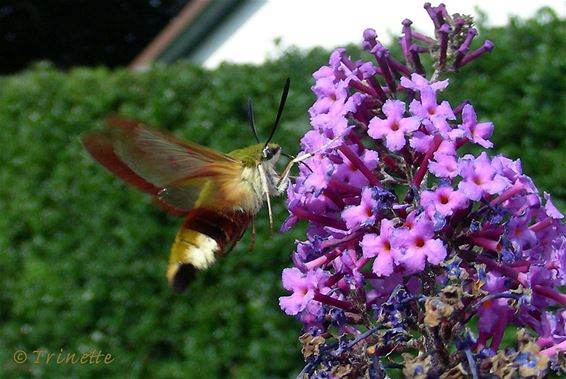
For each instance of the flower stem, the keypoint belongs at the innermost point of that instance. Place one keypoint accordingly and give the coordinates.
(541, 225)
(515, 189)
(319, 219)
(356, 161)
(551, 294)
(325, 299)
(323, 259)
(436, 141)
(554, 349)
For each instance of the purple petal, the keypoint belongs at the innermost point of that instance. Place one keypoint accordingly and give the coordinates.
(428, 100)
(395, 140)
(550, 209)
(471, 190)
(468, 115)
(369, 245)
(383, 264)
(410, 124)
(378, 127)
(420, 141)
(497, 185)
(444, 166)
(394, 109)
(435, 251)
(291, 305)
(293, 279)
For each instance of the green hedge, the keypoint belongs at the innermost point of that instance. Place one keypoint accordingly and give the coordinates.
(521, 87)
(82, 256)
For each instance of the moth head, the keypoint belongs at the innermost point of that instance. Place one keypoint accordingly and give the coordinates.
(269, 151)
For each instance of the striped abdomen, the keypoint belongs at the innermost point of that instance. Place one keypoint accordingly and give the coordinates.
(205, 235)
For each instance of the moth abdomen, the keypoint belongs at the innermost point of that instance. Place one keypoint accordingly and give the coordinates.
(205, 235)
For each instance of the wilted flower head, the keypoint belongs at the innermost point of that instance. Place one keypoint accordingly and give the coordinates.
(408, 237)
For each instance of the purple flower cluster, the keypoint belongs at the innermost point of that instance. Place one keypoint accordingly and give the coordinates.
(412, 245)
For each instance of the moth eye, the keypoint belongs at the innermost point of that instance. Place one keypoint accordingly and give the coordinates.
(268, 153)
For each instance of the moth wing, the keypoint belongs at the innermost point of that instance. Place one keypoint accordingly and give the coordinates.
(222, 186)
(100, 145)
(175, 171)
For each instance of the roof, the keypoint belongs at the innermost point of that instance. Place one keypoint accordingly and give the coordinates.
(188, 31)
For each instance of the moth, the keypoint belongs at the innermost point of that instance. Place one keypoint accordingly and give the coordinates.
(218, 193)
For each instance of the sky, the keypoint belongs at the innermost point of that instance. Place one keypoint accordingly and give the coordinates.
(333, 23)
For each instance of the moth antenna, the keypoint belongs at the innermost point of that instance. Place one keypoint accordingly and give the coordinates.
(280, 110)
(306, 165)
(251, 119)
(287, 155)
(263, 179)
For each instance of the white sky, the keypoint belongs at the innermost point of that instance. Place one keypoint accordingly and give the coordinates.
(333, 23)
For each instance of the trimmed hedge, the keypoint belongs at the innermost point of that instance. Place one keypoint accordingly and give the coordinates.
(82, 256)
(521, 88)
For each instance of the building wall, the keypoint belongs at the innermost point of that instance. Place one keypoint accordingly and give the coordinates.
(248, 37)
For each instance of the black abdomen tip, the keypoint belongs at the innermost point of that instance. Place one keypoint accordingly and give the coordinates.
(183, 277)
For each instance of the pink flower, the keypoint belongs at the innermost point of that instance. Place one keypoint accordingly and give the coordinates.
(381, 247)
(332, 98)
(349, 173)
(477, 133)
(303, 285)
(479, 177)
(417, 245)
(444, 200)
(444, 165)
(394, 127)
(362, 214)
(418, 83)
(433, 115)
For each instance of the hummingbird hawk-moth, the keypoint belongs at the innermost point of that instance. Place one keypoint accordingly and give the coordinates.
(219, 194)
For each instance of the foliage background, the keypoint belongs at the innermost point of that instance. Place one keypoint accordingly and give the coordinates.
(82, 256)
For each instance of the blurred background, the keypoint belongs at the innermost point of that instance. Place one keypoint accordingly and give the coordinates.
(83, 256)
(138, 32)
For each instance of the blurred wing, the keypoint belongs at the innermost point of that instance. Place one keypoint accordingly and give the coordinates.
(155, 162)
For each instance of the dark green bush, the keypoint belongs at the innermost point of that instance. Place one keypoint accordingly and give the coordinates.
(521, 87)
(82, 256)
